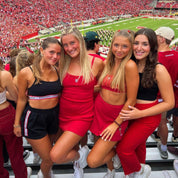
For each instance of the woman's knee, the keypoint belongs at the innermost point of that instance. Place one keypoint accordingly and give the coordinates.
(93, 162)
(47, 162)
(54, 156)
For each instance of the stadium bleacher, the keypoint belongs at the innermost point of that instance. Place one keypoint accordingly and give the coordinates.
(161, 168)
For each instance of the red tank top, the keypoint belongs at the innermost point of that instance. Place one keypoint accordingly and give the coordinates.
(76, 101)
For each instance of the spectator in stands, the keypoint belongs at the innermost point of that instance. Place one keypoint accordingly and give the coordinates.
(146, 115)
(78, 73)
(7, 116)
(39, 89)
(92, 42)
(169, 59)
(23, 59)
(119, 84)
(11, 67)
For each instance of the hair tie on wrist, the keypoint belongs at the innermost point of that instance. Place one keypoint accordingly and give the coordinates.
(116, 123)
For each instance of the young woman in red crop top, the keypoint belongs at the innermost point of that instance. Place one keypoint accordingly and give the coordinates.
(146, 115)
(78, 74)
(119, 83)
(37, 108)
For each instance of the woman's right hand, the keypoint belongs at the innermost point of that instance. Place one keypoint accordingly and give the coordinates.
(17, 131)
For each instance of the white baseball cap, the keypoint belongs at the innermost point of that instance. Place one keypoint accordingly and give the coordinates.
(165, 32)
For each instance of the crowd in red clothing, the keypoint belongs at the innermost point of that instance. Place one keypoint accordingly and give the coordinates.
(22, 17)
(167, 4)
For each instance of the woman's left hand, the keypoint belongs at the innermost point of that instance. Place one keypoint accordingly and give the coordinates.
(134, 113)
(108, 132)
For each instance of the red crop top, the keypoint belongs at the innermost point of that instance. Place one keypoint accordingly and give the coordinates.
(106, 84)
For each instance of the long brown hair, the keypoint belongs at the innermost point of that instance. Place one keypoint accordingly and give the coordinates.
(149, 73)
(36, 62)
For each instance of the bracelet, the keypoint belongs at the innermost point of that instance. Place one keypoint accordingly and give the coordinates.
(116, 123)
(16, 126)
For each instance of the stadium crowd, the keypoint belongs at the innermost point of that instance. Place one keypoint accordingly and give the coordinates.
(19, 18)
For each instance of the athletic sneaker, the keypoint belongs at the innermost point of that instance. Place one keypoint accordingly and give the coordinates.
(130, 175)
(40, 174)
(144, 172)
(29, 172)
(175, 165)
(26, 154)
(90, 137)
(84, 151)
(116, 162)
(36, 158)
(110, 174)
(6, 163)
(155, 137)
(163, 154)
(174, 139)
(78, 171)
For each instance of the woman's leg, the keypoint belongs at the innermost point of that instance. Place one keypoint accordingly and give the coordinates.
(15, 151)
(42, 147)
(3, 172)
(133, 141)
(65, 149)
(101, 153)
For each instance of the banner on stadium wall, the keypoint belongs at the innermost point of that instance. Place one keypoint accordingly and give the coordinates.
(29, 36)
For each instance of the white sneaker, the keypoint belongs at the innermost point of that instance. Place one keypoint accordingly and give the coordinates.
(36, 158)
(130, 175)
(78, 171)
(110, 174)
(144, 172)
(29, 172)
(175, 165)
(40, 174)
(91, 137)
(26, 154)
(116, 162)
(84, 151)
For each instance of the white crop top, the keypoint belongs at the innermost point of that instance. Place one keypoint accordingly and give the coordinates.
(3, 97)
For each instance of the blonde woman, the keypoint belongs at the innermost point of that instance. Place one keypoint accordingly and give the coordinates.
(23, 59)
(78, 74)
(119, 84)
(37, 108)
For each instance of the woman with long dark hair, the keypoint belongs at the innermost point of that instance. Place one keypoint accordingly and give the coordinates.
(145, 117)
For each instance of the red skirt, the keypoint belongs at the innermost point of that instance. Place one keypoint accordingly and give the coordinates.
(76, 126)
(104, 115)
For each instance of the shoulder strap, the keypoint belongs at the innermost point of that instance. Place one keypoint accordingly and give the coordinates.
(31, 68)
(159, 63)
(57, 72)
(32, 72)
(92, 62)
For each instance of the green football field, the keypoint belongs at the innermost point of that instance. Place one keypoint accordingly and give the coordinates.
(132, 24)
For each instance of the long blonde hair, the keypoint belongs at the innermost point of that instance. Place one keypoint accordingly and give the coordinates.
(119, 77)
(23, 59)
(84, 60)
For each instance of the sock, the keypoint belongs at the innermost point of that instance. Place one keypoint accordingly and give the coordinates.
(163, 147)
